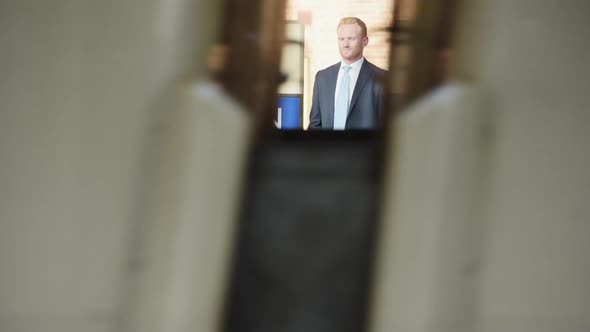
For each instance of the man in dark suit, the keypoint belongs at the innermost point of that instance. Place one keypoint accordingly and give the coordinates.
(349, 94)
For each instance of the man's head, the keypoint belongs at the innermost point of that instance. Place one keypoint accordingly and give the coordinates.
(352, 38)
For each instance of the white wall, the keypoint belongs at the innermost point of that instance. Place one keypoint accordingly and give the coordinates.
(187, 241)
(83, 85)
(533, 58)
(520, 263)
(427, 262)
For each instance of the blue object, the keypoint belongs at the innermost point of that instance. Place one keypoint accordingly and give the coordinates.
(291, 112)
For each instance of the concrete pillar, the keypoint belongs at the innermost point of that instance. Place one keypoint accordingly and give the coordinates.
(86, 86)
(528, 268)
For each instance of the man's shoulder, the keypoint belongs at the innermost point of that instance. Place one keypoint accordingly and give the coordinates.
(329, 69)
(377, 70)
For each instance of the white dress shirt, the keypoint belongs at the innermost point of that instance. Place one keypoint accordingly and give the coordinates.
(353, 74)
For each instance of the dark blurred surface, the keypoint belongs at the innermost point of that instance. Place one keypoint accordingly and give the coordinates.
(305, 243)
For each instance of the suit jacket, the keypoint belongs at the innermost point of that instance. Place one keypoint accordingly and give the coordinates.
(365, 111)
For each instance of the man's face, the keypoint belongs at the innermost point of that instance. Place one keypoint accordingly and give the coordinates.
(351, 42)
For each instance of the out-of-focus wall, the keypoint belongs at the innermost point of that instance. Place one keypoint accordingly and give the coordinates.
(494, 239)
(83, 86)
(533, 59)
(428, 239)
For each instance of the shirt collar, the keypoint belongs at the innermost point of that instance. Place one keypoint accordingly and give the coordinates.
(355, 65)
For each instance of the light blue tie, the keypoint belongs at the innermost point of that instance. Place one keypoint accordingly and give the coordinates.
(342, 101)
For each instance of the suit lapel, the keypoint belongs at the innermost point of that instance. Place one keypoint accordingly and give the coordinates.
(332, 78)
(364, 76)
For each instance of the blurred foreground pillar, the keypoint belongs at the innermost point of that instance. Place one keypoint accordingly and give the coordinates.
(515, 258)
(86, 92)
